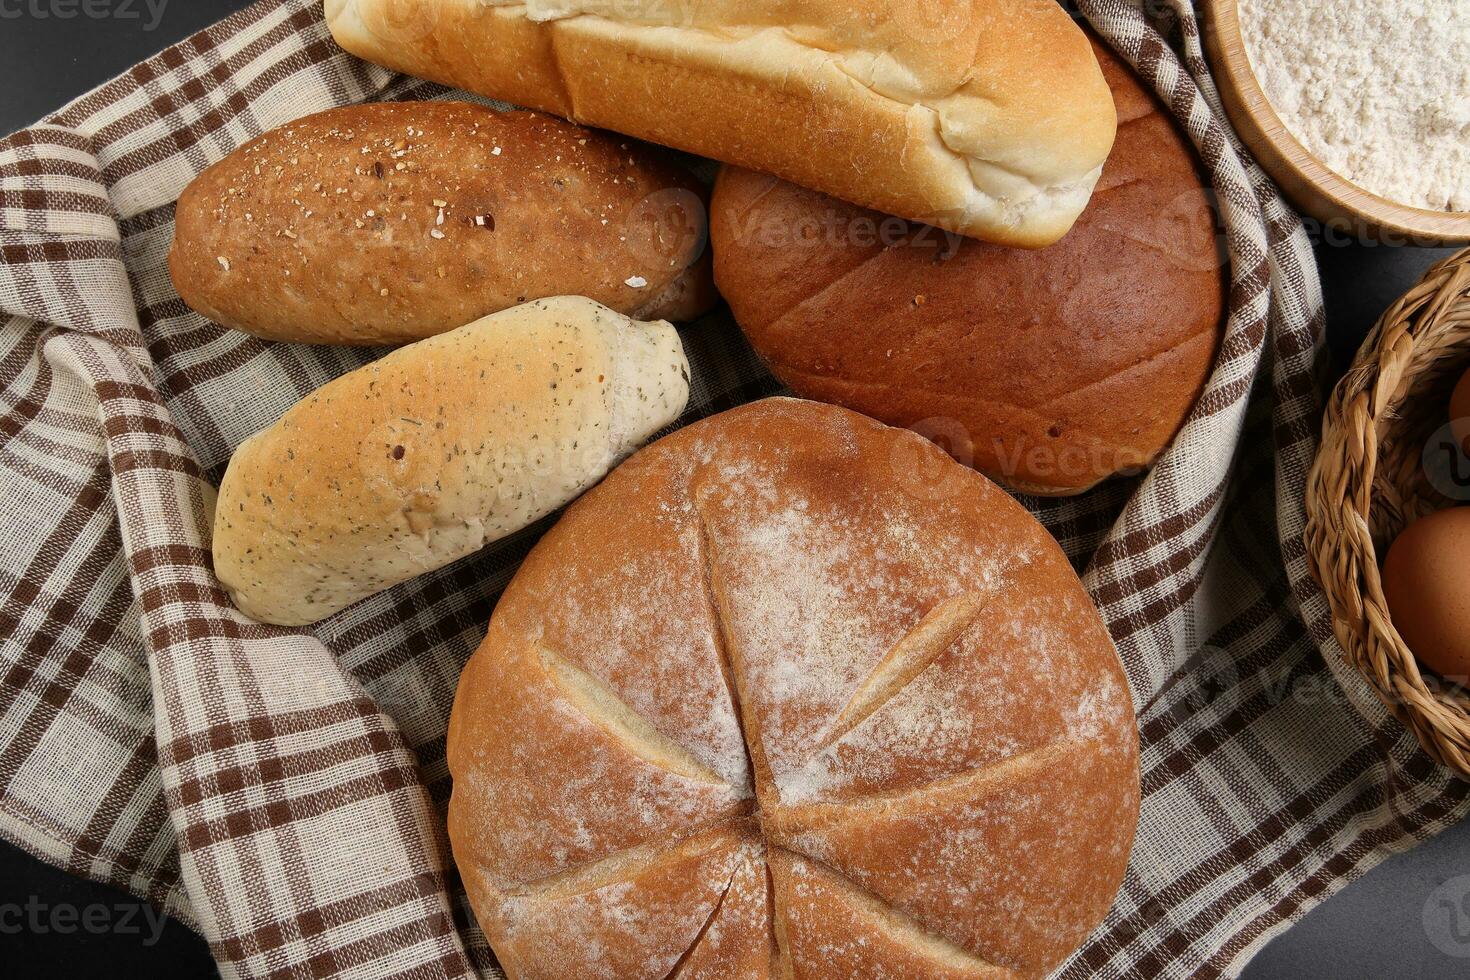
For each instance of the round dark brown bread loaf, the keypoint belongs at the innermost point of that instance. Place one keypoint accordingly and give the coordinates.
(1050, 370)
(792, 694)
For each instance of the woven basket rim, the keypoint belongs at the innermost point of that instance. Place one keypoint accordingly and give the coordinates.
(1367, 478)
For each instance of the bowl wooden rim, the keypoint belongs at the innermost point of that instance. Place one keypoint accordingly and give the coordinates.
(1306, 181)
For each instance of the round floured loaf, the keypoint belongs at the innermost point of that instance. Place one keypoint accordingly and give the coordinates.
(792, 694)
(1049, 370)
(424, 456)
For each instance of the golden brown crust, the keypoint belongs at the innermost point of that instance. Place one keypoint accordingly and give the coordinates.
(391, 222)
(832, 929)
(1049, 370)
(988, 117)
(771, 620)
(737, 942)
(420, 458)
(627, 919)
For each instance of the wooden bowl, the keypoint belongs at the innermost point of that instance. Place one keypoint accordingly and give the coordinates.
(1344, 207)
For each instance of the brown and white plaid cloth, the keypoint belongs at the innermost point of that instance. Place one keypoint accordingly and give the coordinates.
(283, 791)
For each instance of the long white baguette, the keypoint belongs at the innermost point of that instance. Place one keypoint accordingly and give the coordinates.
(989, 118)
(423, 457)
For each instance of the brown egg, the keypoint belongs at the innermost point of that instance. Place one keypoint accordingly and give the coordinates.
(1426, 580)
(1460, 411)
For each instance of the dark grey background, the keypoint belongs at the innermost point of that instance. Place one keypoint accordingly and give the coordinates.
(1372, 930)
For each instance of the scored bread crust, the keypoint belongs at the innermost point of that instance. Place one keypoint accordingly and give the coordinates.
(792, 694)
(986, 117)
(424, 456)
(1049, 370)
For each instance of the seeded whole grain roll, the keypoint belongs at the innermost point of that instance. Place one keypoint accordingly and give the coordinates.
(792, 694)
(387, 223)
(1049, 370)
(424, 456)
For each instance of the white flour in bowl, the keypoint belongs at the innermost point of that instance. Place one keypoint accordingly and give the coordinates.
(1379, 90)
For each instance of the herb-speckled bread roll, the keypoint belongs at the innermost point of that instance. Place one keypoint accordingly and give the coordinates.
(421, 458)
(391, 222)
(792, 694)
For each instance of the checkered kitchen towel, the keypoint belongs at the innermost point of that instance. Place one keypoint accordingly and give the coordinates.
(283, 791)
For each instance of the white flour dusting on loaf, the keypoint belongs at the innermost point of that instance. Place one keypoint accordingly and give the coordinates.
(1377, 90)
(911, 682)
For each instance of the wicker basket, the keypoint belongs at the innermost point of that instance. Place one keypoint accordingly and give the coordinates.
(1370, 481)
